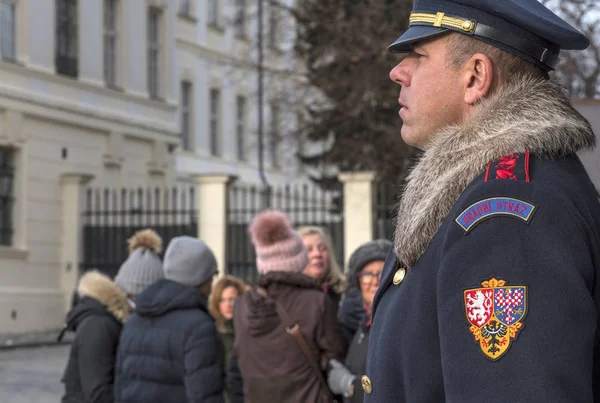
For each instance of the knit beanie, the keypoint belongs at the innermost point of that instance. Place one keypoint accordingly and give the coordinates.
(143, 266)
(365, 254)
(189, 261)
(278, 247)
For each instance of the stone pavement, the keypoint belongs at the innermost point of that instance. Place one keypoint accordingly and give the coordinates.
(9, 341)
(32, 375)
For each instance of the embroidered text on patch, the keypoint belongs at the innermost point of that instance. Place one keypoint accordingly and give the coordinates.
(483, 209)
(496, 314)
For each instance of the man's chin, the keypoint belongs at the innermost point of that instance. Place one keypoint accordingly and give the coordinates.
(409, 138)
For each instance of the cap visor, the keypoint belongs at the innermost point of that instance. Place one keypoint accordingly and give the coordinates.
(414, 34)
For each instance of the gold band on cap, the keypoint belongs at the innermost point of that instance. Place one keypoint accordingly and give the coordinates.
(441, 20)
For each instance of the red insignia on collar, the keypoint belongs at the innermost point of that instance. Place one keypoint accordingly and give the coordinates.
(512, 167)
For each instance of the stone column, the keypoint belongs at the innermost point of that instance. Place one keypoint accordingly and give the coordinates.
(71, 203)
(358, 210)
(212, 214)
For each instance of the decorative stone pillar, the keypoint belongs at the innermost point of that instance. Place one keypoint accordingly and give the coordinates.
(358, 210)
(71, 204)
(212, 214)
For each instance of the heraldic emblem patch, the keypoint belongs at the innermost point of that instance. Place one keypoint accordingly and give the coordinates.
(496, 314)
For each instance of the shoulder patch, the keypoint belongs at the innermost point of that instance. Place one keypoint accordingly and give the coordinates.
(496, 313)
(487, 208)
(510, 167)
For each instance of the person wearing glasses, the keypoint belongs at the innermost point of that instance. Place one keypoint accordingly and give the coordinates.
(364, 267)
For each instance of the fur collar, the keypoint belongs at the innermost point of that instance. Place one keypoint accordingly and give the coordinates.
(531, 114)
(96, 285)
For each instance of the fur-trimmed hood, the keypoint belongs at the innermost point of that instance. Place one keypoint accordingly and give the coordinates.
(102, 289)
(531, 114)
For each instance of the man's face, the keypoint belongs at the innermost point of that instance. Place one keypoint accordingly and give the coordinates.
(431, 94)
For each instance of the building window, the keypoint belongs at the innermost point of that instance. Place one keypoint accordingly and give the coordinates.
(275, 135)
(215, 99)
(111, 41)
(154, 36)
(213, 12)
(67, 46)
(186, 115)
(241, 127)
(273, 26)
(7, 173)
(240, 19)
(185, 7)
(7, 30)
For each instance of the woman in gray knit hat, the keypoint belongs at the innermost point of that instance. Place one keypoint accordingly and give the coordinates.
(364, 267)
(143, 266)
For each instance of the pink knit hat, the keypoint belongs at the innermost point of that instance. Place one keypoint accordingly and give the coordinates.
(278, 246)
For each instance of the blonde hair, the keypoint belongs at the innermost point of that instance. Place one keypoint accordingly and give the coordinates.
(215, 297)
(334, 277)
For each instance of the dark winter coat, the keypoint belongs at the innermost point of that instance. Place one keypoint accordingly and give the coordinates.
(351, 313)
(271, 364)
(97, 320)
(227, 337)
(170, 350)
(334, 295)
(499, 227)
(356, 361)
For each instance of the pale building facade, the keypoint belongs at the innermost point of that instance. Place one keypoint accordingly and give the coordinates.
(88, 93)
(120, 94)
(217, 54)
(590, 109)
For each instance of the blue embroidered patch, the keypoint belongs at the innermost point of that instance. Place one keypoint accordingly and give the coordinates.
(483, 209)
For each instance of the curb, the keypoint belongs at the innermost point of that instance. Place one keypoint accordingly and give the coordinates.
(33, 340)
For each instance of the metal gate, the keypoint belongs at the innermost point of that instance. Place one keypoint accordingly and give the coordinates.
(112, 216)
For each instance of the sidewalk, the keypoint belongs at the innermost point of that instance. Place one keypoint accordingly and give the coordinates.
(11, 341)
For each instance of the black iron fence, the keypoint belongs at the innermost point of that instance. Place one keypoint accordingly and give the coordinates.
(384, 210)
(112, 216)
(306, 205)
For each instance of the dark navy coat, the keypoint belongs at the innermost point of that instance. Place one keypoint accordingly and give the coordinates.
(503, 304)
(169, 350)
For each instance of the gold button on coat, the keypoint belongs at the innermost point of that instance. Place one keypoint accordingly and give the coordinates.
(399, 276)
(366, 384)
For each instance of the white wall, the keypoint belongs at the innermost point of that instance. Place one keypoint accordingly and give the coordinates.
(590, 109)
(216, 58)
(120, 137)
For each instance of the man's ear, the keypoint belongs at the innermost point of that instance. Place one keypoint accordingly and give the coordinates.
(478, 72)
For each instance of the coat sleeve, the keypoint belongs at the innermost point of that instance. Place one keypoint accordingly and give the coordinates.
(329, 337)
(550, 355)
(235, 382)
(351, 313)
(203, 367)
(97, 340)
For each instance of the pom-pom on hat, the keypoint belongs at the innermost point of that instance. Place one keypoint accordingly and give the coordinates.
(143, 266)
(278, 247)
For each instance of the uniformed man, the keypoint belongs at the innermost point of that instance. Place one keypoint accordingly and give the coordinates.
(492, 292)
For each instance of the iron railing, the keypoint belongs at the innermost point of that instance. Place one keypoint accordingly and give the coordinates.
(112, 216)
(384, 210)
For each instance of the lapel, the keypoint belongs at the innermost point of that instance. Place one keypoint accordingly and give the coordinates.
(389, 268)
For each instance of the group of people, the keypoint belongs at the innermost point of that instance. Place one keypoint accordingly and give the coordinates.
(172, 330)
(490, 292)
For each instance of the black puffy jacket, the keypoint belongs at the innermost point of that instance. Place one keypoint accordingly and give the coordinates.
(97, 320)
(170, 351)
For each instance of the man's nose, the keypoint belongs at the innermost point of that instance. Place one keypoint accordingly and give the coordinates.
(401, 74)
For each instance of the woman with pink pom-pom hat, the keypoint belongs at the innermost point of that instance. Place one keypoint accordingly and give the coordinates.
(286, 330)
